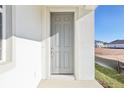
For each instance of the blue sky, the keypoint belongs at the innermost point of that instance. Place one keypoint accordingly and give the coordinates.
(109, 22)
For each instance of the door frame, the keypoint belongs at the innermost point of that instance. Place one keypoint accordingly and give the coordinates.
(50, 9)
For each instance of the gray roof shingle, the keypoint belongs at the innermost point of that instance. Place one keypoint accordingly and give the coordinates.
(117, 42)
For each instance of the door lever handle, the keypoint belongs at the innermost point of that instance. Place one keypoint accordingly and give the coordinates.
(52, 51)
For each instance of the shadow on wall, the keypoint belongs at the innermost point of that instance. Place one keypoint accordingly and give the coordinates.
(29, 22)
(9, 63)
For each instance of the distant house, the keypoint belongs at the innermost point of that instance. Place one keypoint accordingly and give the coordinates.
(100, 44)
(116, 44)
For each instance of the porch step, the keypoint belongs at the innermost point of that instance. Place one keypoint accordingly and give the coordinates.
(69, 84)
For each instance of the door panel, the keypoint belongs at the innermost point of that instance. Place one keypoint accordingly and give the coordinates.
(62, 43)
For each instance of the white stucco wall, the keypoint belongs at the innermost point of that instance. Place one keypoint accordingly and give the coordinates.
(29, 42)
(28, 49)
(85, 47)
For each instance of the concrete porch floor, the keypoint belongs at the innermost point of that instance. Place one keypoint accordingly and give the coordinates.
(69, 84)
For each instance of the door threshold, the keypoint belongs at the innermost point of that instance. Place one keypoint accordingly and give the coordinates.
(62, 77)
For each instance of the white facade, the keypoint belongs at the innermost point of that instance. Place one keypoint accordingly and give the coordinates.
(32, 45)
(116, 45)
(99, 44)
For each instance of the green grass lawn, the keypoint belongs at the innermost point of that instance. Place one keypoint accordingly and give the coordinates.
(109, 78)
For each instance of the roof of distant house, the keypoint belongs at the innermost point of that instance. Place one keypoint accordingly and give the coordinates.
(117, 42)
(98, 41)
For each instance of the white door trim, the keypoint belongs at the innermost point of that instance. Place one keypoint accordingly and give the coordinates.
(48, 51)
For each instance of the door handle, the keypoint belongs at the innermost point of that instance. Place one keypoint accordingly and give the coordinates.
(52, 52)
(51, 49)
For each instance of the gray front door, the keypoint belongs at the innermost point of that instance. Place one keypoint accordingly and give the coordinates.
(62, 43)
